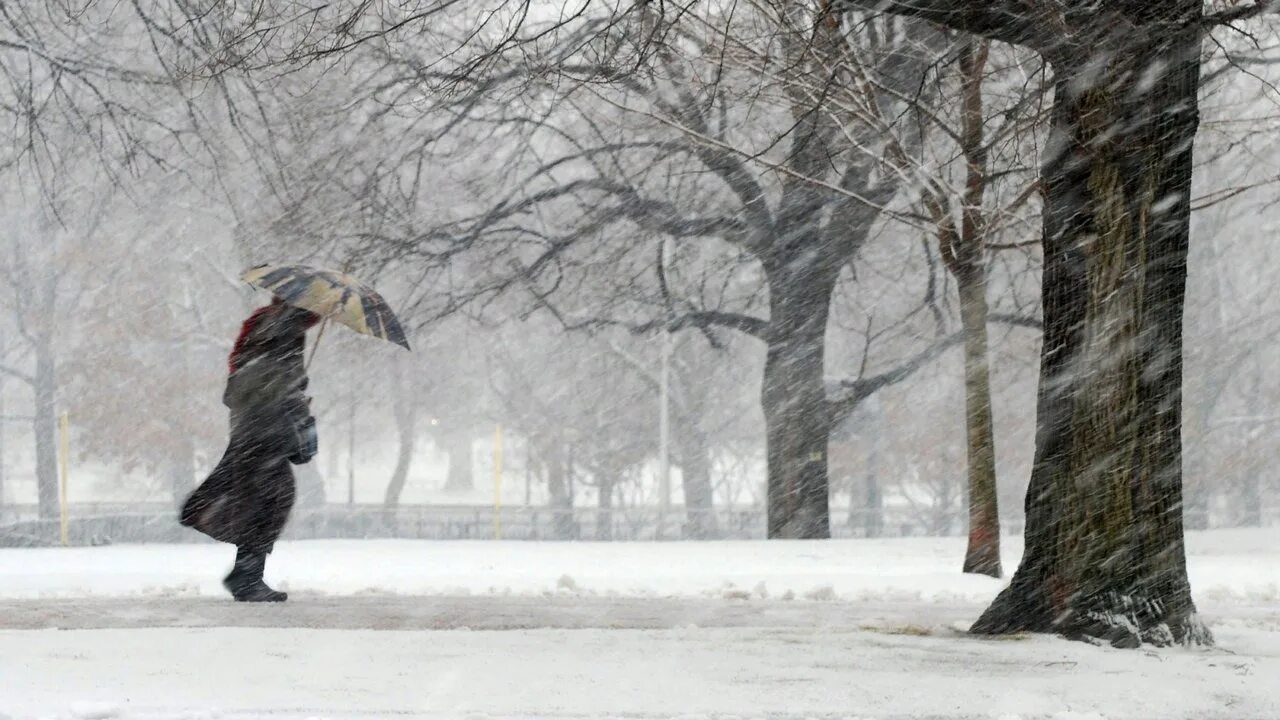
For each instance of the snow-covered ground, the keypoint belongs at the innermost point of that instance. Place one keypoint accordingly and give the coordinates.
(857, 629)
(1227, 566)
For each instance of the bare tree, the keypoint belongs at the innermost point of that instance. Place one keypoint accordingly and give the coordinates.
(53, 269)
(965, 246)
(1105, 556)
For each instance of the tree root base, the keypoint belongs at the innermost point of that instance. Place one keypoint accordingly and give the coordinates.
(1121, 621)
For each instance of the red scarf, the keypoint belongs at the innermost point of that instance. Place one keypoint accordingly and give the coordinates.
(251, 324)
(233, 361)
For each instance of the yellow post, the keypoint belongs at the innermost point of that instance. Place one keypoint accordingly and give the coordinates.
(64, 459)
(497, 482)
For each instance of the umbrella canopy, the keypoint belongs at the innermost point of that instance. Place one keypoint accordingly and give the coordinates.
(332, 295)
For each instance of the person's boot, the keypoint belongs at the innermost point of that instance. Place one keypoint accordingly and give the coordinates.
(245, 580)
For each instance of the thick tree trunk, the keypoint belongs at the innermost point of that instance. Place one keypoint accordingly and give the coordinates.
(796, 413)
(695, 471)
(458, 445)
(983, 553)
(1104, 555)
(45, 428)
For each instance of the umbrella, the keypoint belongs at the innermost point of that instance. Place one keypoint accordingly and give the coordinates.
(332, 295)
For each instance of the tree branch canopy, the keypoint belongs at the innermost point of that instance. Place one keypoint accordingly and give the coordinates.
(749, 324)
(1019, 22)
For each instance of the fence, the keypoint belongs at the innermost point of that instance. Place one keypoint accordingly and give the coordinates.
(105, 523)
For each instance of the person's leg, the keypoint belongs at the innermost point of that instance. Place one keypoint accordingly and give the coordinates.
(245, 580)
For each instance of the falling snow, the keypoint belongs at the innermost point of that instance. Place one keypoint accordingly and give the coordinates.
(633, 359)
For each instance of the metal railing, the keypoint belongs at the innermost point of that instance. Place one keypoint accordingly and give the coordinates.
(103, 523)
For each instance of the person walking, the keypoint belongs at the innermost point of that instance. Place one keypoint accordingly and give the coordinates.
(246, 500)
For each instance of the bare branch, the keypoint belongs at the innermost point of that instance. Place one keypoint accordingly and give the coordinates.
(855, 391)
(1239, 14)
(1019, 22)
(18, 374)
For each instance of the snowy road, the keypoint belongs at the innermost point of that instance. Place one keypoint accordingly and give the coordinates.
(568, 657)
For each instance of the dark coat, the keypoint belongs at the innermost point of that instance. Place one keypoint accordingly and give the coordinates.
(247, 498)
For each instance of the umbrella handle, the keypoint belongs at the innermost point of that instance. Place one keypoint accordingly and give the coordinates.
(346, 266)
(319, 335)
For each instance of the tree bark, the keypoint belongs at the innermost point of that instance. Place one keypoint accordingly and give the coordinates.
(458, 445)
(796, 412)
(1105, 556)
(983, 553)
(695, 472)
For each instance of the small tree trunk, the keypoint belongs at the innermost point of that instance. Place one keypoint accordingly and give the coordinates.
(983, 553)
(4, 426)
(45, 428)
(1251, 510)
(695, 471)
(400, 475)
(334, 463)
(604, 506)
(1105, 556)
(873, 500)
(560, 500)
(458, 445)
(873, 520)
(1195, 512)
(406, 429)
(1251, 489)
(796, 413)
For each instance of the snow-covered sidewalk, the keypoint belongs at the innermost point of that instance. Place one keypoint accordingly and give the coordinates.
(776, 673)
(1225, 566)
(474, 631)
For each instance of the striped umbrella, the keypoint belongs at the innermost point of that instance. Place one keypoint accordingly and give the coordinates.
(333, 296)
